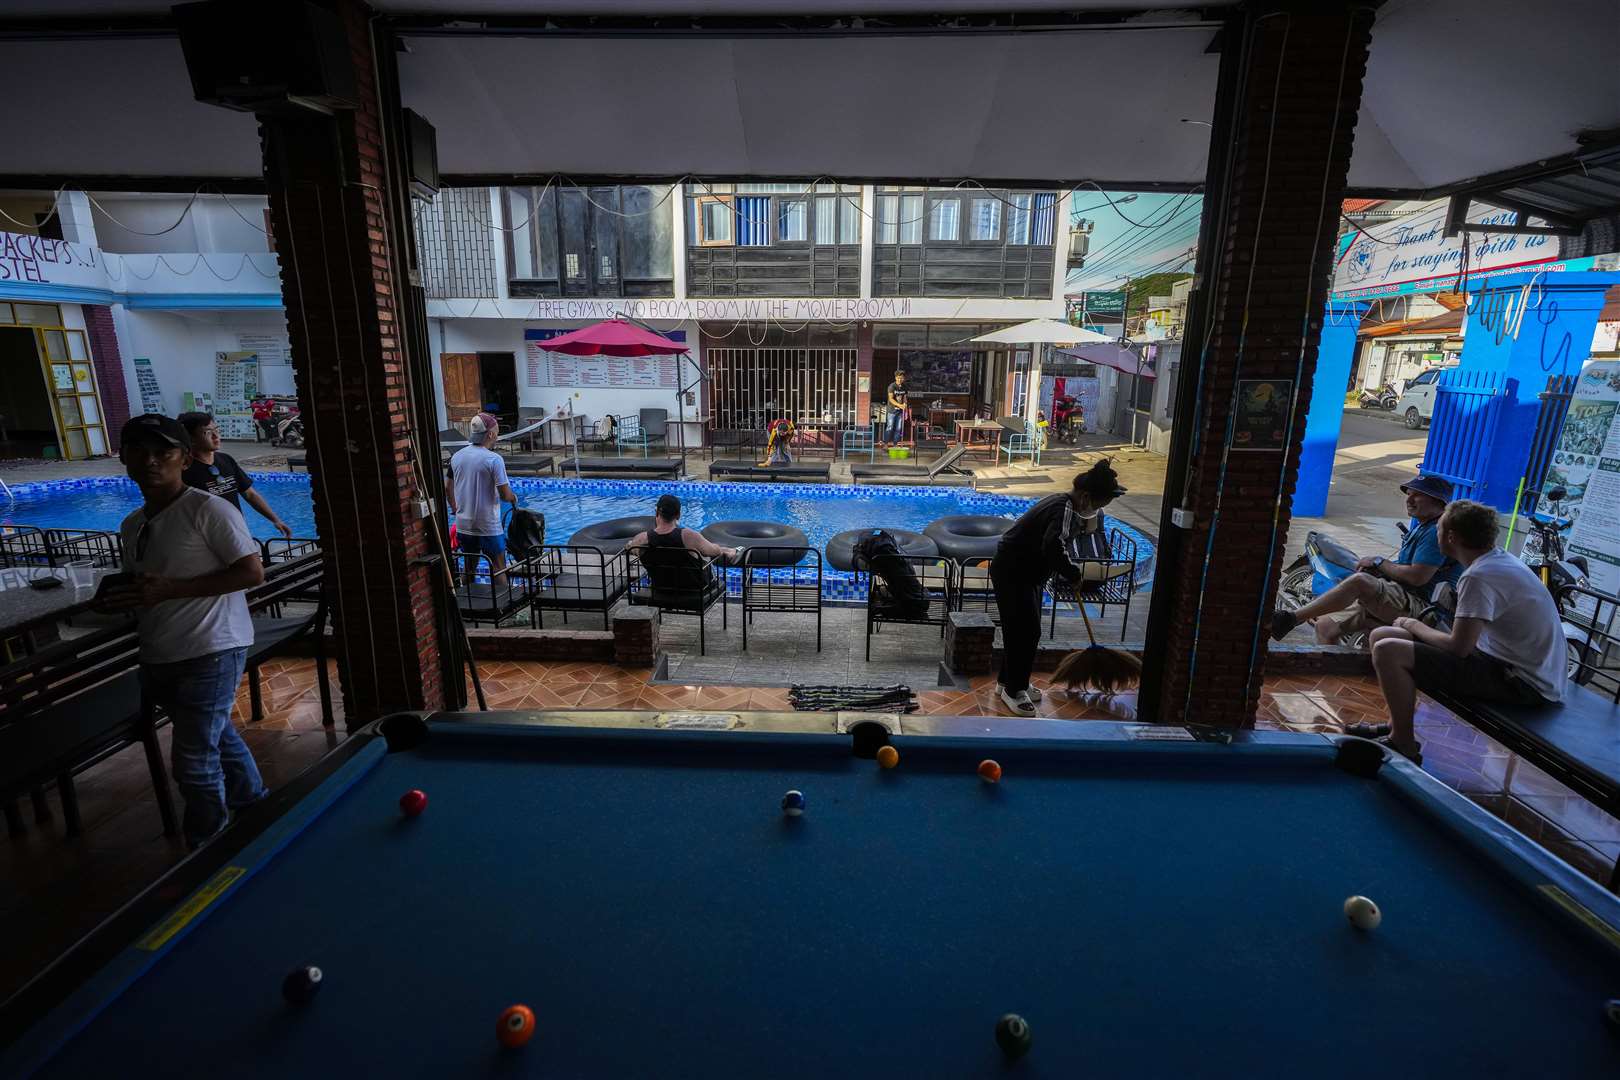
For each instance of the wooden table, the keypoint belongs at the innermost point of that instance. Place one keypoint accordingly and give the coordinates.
(944, 417)
(982, 436)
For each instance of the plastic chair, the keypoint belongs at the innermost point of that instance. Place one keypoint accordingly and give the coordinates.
(861, 440)
(1020, 439)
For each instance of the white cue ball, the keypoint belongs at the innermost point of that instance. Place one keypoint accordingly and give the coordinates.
(1362, 913)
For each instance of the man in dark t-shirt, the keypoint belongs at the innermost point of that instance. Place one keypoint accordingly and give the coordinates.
(897, 409)
(216, 472)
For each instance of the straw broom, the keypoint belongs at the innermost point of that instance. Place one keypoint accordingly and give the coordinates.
(1098, 667)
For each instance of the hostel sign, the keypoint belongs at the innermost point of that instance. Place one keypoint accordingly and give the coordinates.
(39, 260)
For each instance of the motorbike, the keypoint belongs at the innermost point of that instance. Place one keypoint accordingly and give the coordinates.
(1544, 551)
(289, 432)
(1384, 398)
(1066, 420)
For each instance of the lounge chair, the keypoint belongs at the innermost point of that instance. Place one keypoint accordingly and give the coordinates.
(746, 471)
(945, 472)
(530, 464)
(658, 468)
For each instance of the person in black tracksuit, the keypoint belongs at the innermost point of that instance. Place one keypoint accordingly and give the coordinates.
(1052, 537)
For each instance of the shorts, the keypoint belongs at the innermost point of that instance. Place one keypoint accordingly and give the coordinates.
(468, 544)
(1476, 676)
(1391, 602)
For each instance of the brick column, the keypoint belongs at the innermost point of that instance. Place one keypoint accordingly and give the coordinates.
(108, 362)
(1292, 121)
(331, 217)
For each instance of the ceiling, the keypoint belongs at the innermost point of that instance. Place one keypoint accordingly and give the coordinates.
(1455, 89)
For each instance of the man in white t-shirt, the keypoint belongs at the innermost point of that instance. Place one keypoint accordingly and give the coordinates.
(478, 486)
(188, 557)
(1506, 642)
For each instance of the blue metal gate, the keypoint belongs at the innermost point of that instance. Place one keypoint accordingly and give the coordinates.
(1467, 412)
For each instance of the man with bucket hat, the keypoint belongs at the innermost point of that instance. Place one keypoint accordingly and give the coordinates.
(1385, 589)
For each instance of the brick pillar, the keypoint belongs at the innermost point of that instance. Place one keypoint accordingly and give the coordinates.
(328, 179)
(1293, 118)
(109, 364)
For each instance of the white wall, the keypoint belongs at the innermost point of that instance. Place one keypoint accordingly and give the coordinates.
(506, 335)
(211, 225)
(181, 346)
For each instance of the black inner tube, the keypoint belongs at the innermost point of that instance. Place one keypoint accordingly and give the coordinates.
(841, 548)
(968, 536)
(610, 536)
(758, 537)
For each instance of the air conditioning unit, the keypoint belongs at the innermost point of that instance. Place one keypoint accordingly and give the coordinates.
(1079, 244)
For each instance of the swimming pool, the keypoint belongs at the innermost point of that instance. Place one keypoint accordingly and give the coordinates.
(821, 510)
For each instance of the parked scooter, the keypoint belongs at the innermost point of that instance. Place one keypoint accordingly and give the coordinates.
(1382, 399)
(289, 432)
(1545, 552)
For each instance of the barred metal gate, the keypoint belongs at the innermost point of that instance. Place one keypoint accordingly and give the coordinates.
(1467, 411)
(753, 386)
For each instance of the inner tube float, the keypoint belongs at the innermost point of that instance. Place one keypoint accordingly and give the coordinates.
(609, 537)
(841, 548)
(758, 534)
(968, 536)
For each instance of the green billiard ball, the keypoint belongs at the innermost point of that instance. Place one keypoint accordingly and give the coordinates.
(1012, 1035)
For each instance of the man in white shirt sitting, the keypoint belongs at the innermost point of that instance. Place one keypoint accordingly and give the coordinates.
(1506, 642)
(188, 558)
(478, 486)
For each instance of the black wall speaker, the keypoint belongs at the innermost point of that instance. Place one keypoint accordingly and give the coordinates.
(266, 56)
(422, 153)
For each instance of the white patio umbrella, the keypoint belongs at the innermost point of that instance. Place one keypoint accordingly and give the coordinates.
(1046, 333)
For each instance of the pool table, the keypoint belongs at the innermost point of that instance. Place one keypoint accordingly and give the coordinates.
(1153, 901)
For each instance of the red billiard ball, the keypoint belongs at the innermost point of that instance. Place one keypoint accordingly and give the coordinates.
(989, 771)
(413, 802)
(516, 1026)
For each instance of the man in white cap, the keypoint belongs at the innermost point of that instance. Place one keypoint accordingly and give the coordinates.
(478, 486)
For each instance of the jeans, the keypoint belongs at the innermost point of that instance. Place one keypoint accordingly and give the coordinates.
(896, 429)
(213, 768)
(1018, 603)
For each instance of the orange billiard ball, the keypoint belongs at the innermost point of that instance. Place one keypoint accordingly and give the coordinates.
(516, 1026)
(989, 771)
(888, 757)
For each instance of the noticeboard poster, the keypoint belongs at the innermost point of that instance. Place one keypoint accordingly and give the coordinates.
(1586, 463)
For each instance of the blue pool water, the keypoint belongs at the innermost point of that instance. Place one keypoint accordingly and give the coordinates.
(820, 510)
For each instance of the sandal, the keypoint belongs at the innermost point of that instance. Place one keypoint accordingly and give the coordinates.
(1367, 731)
(1414, 756)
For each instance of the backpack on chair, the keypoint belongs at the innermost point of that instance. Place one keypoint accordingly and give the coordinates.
(525, 533)
(879, 551)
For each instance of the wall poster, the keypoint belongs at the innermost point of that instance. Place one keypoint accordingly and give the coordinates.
(1260, 420)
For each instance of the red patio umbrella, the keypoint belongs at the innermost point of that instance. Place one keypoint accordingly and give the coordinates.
(615, 337)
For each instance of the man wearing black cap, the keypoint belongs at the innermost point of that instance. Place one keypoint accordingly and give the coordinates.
(188, 558)
(1053, 537)
(1383, 590)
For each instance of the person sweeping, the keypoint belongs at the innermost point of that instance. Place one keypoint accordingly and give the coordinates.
(1054, 537)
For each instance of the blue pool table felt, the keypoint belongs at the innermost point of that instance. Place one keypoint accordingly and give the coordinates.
(1164, 914)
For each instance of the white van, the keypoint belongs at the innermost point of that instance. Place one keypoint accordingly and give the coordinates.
(1416, 404)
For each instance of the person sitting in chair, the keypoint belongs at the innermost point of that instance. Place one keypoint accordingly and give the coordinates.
(1383, 590)
(1506, 642)
(667, 532)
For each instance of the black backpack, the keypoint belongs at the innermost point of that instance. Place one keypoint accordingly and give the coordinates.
(879, 552)
(525, 533)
